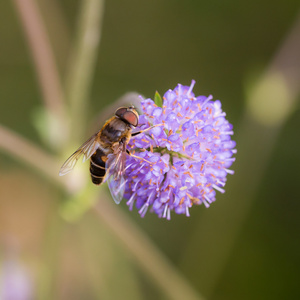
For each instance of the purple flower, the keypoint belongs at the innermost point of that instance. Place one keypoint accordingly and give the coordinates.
(185, 159)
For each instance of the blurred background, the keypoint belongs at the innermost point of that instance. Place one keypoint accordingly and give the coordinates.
(62, 65)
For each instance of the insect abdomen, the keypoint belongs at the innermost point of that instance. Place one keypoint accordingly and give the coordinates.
(97, 166)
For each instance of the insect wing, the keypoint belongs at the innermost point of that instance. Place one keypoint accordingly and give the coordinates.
(115, 171)
(86, 149)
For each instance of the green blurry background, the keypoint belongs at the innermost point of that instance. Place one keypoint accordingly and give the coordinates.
(246, 245)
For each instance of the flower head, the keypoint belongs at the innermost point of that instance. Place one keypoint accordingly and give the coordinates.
(184, 159)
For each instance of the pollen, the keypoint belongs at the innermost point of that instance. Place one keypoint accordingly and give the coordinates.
(193, 199)
(181, 201)
(188, 173)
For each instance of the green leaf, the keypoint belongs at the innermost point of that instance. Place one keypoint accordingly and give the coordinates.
(158, 99)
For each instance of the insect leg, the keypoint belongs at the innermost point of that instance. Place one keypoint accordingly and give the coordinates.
(137, 157)
(142, 131)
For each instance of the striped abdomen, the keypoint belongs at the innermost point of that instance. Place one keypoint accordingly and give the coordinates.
(97, 166)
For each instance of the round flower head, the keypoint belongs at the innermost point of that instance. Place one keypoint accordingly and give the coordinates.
(184, 158)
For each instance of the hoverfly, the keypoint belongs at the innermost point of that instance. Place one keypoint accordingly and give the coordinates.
(107, 151)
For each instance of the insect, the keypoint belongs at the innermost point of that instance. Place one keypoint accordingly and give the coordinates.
(107, 151)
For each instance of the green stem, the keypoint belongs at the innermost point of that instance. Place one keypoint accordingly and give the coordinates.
(82, 64)
(20, 148)
(49, 269)
(145, 253)
(43, 57)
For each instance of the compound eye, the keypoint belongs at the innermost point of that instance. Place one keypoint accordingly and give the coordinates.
(120, 112)
(131, 117)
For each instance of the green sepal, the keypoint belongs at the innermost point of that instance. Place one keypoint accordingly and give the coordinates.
(158, 99)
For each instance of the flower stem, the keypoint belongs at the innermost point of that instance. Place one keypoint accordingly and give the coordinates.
(82, 64)
(43, 57)
(20, 148)
(49, 269)
(149, 257)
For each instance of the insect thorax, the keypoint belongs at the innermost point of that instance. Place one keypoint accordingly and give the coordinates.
(114, 131)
